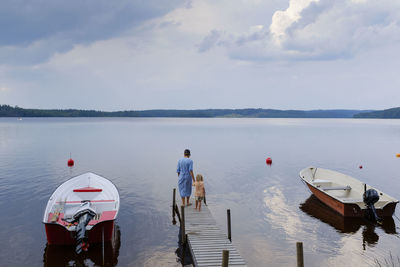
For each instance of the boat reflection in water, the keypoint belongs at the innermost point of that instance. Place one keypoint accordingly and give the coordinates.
(315, 208)
(62, 255)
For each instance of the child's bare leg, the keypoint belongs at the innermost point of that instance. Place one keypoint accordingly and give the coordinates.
(199, 205)
(197, 202)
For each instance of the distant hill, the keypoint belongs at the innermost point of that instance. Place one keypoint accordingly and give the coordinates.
(392, 113)
(250, 113)
(8, 111)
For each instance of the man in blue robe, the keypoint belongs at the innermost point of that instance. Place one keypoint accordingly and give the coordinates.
(186, 176)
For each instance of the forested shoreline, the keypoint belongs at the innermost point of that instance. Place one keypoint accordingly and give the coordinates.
(9, 111)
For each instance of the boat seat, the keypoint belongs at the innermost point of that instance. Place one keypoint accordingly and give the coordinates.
(351, 200)
(320, 182)
(347, 187)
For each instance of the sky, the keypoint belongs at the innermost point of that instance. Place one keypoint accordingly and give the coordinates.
(197, 54)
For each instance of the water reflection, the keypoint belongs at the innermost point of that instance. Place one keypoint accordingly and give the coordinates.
(183, 252)
(316, 209)
(56, 255)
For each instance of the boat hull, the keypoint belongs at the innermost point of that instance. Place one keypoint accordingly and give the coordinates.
(58, 235)
(349, 209)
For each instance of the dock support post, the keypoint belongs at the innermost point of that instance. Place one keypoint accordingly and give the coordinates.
(300, 258)
(173, 206)
(228, 215)
(183, 233)
(225, 258)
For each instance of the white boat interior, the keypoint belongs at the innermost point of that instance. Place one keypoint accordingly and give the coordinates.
(67, 199)
(342, 187)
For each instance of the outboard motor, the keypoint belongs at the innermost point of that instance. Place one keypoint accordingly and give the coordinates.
(83, 215)
(370, 197)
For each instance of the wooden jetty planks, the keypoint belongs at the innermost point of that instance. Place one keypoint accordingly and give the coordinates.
(206, 241)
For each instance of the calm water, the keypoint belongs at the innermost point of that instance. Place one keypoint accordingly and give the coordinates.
(271, 209)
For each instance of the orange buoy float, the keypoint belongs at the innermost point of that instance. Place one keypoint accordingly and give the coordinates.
(268, 161)
(70, 163)
(398, 155)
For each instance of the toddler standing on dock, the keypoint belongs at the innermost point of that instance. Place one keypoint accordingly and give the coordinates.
(200, 192)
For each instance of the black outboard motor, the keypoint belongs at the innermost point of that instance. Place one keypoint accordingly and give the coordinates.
(370, 197)
(83, 215)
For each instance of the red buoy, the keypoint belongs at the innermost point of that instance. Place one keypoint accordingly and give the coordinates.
(268, 161)
(360, 167)
(70, 163)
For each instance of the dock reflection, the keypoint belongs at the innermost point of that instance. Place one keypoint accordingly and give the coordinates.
(183, 252)
(56, 255)
(317, 209)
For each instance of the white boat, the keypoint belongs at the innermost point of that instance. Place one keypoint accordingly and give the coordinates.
(345, 194)
(82, 210)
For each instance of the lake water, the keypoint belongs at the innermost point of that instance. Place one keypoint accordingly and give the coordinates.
(271, 208)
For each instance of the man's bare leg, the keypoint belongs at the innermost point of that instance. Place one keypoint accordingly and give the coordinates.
(183, 201)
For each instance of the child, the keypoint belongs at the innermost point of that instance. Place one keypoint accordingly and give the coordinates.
(200, 192)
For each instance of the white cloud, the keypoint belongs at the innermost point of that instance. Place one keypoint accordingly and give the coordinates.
(282, 20)
(314, 30)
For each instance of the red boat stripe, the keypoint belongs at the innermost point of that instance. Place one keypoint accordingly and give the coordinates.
(79, 201)
(88, 189)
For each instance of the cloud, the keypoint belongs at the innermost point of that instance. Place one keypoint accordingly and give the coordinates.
(209, 41)
(314, 30)
(33, 31)
(282, 20)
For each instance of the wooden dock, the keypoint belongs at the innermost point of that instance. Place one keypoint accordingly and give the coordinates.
(206, 241)
(208, 246)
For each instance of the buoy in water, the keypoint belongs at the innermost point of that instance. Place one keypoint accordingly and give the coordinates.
(398, 155)
(268, 161)
(70, 163)
(360, 166)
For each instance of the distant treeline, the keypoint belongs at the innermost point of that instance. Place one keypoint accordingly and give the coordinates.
(8, 111)
(392, 113)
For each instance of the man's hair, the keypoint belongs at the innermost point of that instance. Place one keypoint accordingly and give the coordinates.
(187, 152)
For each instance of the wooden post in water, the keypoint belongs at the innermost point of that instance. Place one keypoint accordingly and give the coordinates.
(183, 234)
(173, 206)
(228, 215)
(300, 258)
(183, 254)
(225, 258)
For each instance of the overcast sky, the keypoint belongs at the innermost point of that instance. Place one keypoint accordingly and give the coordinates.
(181, 54)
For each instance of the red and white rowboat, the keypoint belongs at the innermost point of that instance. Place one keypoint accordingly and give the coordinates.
(344, 194)
(88, 204)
